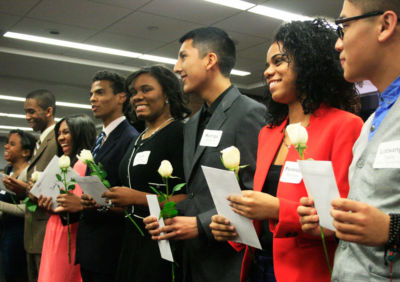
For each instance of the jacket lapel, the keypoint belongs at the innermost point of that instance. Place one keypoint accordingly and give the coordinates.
(267, 149)
(216, 121)
(41, 149)
(189, 144)
(111, 140)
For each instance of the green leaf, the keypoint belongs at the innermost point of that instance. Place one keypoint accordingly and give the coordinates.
(73, 180)
(31, 206)
(71, 187)
(155, 190)
(161, 198)
(178, 187)
(59, 178)
(169, 205)
(106, 183)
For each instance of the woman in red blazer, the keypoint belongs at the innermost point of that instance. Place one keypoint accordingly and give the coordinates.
(305, 85)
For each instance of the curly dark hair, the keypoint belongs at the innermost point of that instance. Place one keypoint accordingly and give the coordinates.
(169, 84)
(28, 141)
(309, 45)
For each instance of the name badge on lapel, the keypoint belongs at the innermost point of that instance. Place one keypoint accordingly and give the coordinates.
(291, 173)
(141, 158)
(210, 138)
(388, 155)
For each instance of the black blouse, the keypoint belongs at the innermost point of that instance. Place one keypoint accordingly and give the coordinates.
(270, 187)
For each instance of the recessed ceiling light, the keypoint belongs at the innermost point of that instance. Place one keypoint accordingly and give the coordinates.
(98, 49)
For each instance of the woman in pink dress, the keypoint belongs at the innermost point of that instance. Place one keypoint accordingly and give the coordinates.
(73, 134)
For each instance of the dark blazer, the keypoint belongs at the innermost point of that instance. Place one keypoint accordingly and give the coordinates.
(240, 119)
(100, 234)
(35, 223)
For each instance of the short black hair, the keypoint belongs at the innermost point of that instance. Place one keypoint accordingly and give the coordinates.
(28, 141)
(83, 134)
(309, 46)
(45, 99)
(117, 84)
(213, 39)
(170, 86)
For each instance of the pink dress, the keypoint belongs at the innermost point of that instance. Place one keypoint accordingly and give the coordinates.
(54, 264)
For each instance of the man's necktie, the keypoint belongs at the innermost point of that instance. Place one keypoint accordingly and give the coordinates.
(98, 143)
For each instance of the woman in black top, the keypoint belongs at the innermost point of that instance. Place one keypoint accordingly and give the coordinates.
(157, 100)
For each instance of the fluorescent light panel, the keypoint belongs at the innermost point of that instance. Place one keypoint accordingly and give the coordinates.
(19, 116)
(236, 4)
(261, 10)
(278, 14)
(15, 127)
(99, 49)
(62, 104)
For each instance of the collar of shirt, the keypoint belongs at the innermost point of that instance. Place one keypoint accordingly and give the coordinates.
(211, 109)
(46, 132)
(386, 100)
(113, 125)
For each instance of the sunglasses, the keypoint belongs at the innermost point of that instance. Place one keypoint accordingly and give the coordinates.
(339, 22)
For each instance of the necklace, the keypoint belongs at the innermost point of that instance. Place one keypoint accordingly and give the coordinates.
(135, 148)
(157, 129)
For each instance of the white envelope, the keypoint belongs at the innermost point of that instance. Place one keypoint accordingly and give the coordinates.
(320, 183)
(92, 186)
(3, 187)
(48, 184)
(223, 183)
(163, 245)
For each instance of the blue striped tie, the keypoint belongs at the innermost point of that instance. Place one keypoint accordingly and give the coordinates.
(98, 143)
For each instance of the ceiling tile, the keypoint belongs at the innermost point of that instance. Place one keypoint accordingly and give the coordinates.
(251, 24)
(123, 42)
(152, 27)
(43, 28)
(196, 11)
(7, 21)
(17, 7)
(81, 13)
(132, 5)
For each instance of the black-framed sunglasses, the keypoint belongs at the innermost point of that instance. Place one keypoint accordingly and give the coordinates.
(339, 22)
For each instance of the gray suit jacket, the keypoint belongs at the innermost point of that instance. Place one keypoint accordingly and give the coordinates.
(379, 187)
(35, 223)
(240, 119)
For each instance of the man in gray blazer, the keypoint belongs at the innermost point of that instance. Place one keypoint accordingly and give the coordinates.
(40, 106)
(368, 222)
(227, 118)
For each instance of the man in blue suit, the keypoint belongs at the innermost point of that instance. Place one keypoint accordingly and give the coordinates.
(100, 231)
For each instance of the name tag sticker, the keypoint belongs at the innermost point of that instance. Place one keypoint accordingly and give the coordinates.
(388, 155)
(210, 138)
(291, 173)
(141, 158)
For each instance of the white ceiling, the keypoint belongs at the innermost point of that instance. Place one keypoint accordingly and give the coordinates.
(145, 26)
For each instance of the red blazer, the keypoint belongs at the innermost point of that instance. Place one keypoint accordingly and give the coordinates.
(298, 256)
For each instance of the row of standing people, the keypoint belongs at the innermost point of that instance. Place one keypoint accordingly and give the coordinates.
(305, 84)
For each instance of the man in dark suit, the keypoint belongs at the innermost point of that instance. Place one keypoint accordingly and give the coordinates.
(227, 118)
(100, 231)
(40, 107)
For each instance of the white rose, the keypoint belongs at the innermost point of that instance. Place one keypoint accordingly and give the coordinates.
(85, 155)
(35, 176)
(231, 157)
(297, 134)
(64, 162)
(165, 169)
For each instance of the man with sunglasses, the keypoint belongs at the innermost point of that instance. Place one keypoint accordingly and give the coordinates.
(368, 222)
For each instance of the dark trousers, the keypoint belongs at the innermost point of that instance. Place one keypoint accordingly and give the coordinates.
(90, 276)
(262, 270)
